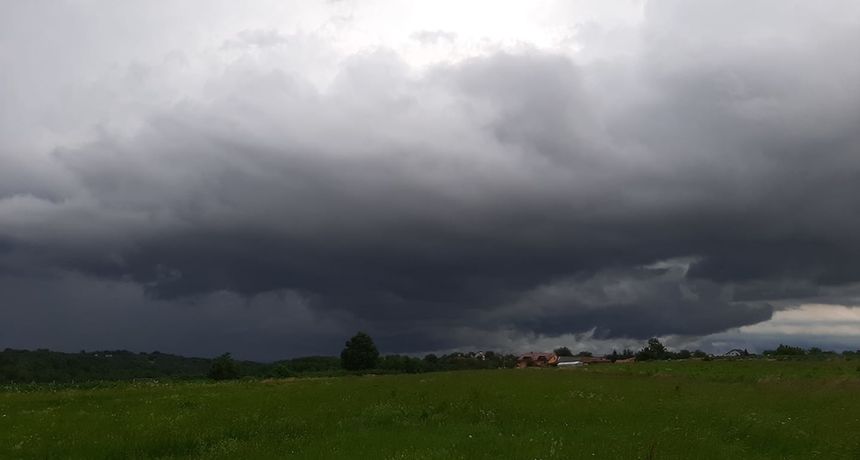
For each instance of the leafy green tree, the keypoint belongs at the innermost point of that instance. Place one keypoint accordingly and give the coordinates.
(655, 347)
(224, 368)
(786, 350)
(360, 353)
(654, 350)
(562, 351)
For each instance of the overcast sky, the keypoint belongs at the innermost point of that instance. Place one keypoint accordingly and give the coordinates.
(268, 177)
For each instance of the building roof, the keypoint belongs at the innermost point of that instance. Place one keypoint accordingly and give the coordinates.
(582, 359)
(535, 356)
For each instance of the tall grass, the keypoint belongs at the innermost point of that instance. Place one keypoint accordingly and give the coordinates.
(683, 410)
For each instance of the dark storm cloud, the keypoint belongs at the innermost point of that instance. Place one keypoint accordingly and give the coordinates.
(72, 313)
(638, 303)
(522, 192)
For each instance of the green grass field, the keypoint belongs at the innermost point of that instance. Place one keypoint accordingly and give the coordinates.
(679, 410)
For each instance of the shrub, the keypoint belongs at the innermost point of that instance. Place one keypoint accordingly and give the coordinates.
(283, 371)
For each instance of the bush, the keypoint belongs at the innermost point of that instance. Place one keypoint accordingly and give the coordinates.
(283, 371)
(307, 364)
(399, 363)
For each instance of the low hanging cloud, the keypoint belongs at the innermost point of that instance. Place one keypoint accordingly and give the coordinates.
(700, 176)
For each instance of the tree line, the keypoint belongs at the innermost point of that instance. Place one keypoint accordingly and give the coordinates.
(359, 355)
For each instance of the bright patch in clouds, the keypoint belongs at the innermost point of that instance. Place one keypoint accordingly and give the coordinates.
(426, 32)
(810, 320)
(830, 327)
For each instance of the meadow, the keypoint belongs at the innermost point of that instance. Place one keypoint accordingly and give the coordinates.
(752, 409)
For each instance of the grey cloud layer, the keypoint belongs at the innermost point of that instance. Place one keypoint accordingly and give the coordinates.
(525, 192)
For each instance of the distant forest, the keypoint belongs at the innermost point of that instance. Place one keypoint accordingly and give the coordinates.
(43, 366)
(51, 366)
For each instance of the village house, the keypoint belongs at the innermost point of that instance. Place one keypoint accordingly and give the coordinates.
(536, 359)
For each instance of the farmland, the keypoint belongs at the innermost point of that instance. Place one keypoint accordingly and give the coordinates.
(754, 409)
